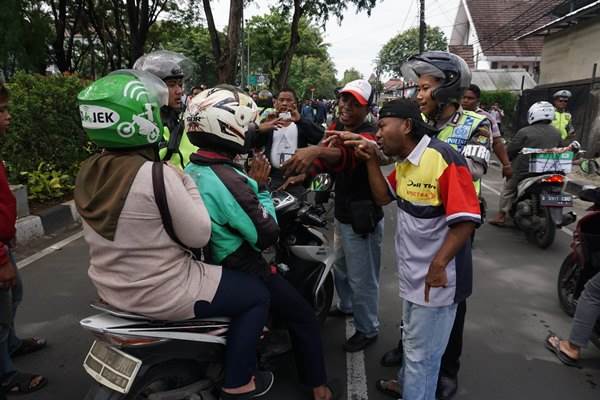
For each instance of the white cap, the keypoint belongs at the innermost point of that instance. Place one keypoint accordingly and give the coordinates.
(361, 89)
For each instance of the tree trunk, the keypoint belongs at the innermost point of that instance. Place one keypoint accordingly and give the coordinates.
(226, 58)
(59, 12)
(284, 69)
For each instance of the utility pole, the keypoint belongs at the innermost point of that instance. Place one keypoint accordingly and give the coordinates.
(422, 27)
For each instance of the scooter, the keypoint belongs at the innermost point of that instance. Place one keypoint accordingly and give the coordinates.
(538, 207)
(583, 262)
(136, 358)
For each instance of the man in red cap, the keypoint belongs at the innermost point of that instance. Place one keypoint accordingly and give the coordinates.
(359, 221)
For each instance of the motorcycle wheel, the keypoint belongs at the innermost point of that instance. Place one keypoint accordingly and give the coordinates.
(324, 299)
(544, 237)
(164, 377)
(567, 283)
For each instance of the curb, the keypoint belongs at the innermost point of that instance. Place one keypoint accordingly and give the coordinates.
(52, 220)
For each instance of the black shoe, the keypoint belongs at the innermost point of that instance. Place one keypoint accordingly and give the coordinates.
(336, 312)
(392, 358)
(446, 387)
(358, 342)
(263, 380)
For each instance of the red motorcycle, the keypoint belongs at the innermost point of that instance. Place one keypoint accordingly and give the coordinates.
(584, 260)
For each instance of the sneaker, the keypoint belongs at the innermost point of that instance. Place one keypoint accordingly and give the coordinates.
(358, 342)
(263, 380)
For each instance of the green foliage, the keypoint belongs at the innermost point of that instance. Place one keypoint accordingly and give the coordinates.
(307, 72)
(45, 124)
(46, 183)
(350, 75)
(269, 36)
(506, 100)
(397, 50)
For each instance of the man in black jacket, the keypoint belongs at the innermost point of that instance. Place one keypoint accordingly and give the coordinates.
(359, 221)
(281, 134)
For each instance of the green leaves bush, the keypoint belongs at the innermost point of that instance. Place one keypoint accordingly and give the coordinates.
(45, 135)
(508, 102)
(47, 183)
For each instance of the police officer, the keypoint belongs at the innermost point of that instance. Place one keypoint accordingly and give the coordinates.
(562, 118)
(168, 66)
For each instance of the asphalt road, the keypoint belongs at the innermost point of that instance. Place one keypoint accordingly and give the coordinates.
(513, 307)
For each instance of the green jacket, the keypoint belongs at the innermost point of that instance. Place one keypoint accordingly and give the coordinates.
(562, 122)
(242, 214)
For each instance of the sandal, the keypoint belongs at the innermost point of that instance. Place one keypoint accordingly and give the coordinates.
(21, 383)
(389, 387)
(561, 355)
(29, 345)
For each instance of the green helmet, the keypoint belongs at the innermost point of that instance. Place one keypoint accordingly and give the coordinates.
(122, 109)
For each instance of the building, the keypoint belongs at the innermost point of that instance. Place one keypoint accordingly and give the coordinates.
(571, 42)
(484, 33)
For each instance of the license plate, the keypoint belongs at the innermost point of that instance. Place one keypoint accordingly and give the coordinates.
(556, 200)
(111, 367)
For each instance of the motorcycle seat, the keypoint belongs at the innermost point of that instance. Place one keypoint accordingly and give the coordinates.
(103, 306)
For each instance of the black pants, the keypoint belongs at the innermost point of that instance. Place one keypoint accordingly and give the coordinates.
(245, 299)
(288, 305)
(451, 358)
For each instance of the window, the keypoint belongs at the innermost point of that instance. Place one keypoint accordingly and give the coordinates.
(494, 65)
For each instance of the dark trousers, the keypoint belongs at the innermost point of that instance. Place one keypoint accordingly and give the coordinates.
(451, 358)
(245, 299)
(288, 305)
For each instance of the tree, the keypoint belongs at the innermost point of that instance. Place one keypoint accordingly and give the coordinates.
(318, 10)
(268, 37)
(350, 75)
(66, 17)
(313, 72)
(226, 56)
(399, 48)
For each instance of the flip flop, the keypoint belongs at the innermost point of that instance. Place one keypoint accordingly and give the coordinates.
(383, 386)
(29, 345)
(20, 383)
(561, 355)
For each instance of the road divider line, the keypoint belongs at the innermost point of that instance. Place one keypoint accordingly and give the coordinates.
(49, 250)
(356, 373)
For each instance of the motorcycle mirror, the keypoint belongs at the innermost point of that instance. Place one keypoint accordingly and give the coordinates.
(321, 183)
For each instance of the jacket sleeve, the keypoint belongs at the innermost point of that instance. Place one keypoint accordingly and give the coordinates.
(251, 213)
(516, 144)
(8, 215)
(312, 132)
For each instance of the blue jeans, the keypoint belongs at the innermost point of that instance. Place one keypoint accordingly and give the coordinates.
(425, 337)
(9, 342)
(356, 272)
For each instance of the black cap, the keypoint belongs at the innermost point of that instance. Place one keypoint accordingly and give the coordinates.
(406, 109)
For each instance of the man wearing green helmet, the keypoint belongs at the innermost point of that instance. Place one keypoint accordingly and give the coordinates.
(135, 264)
(169, 66)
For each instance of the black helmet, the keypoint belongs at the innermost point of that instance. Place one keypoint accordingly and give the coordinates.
(452, 70)
(164, 64)
(265, 99)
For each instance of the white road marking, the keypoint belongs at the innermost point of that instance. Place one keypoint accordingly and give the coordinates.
(356, 373)
(497, 193)
(49, 250)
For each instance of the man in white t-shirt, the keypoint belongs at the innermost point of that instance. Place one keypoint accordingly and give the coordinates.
(281, 134)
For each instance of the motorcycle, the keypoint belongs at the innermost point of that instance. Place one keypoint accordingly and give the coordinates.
(538, 207)
(137, 358)
(583, 262)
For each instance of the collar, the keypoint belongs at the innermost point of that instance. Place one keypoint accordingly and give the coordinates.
(415, 155)
(205, 157)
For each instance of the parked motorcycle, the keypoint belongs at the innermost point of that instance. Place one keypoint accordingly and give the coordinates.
(136, 358)
(538, 207)
(584, 260)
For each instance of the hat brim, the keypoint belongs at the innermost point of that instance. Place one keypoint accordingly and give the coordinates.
(361, 100)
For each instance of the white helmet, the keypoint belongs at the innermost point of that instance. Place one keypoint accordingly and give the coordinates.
(219, 118)
(540, 111)
(562, 93)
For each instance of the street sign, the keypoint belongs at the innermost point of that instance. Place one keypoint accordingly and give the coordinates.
(261, 79)
(252, 80)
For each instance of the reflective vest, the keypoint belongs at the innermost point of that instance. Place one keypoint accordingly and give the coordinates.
(458, 132)
(186, 148)
(561, 121)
